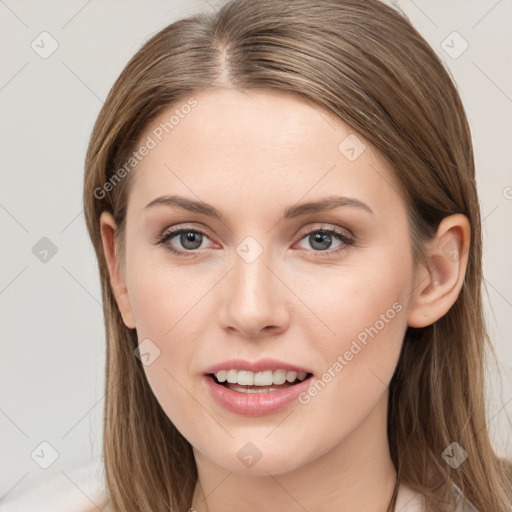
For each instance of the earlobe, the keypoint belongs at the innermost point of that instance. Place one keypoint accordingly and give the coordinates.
(438, 286)
(108, 230)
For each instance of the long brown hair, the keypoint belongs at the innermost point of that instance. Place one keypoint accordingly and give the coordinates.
(363, 62)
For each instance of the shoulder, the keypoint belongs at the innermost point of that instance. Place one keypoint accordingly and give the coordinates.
(81, 489)
(409, 500)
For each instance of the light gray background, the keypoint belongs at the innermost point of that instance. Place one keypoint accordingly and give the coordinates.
(52, 325)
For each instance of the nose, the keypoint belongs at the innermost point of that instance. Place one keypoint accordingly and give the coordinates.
(254, 301)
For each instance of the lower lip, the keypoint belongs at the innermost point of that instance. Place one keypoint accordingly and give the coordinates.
(255, 404)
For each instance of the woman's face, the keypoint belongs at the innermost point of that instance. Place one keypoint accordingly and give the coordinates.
(259, 284)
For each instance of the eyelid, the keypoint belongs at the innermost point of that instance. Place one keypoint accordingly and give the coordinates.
(173, 231)
(340, 234)
(320, 226)
(343, 235)
(180, 227)
(301, 231)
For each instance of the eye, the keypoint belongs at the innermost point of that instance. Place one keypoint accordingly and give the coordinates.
(190, 240)
(321, 239)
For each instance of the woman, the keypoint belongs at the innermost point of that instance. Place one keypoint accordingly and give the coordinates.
(282, 201)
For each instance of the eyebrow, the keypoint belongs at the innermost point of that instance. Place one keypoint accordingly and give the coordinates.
(327, 203)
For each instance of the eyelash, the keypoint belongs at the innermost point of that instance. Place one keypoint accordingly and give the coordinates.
(342, 237)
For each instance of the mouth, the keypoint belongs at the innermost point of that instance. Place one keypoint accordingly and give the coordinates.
(244, 381)
(256, 388)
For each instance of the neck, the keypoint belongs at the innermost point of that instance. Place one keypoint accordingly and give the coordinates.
(356, 474)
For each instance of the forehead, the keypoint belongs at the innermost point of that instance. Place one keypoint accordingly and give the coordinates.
(254, 148)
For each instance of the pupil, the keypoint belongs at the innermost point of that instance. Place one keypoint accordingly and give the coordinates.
(323, 238)
(188, 238)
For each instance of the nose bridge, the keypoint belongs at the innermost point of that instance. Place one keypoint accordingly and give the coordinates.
(252, 278)
(254, 297)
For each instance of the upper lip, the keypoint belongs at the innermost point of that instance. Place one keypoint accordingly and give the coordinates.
(255, 366)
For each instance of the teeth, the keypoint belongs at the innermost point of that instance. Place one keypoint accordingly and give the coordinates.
(279, 376)
(222, 376)
(232, 376)
(291, 376)
(245, 378)
(265, 378)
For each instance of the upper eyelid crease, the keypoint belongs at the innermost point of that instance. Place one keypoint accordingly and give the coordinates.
(346, 241)
(327, 203)
(176, 230)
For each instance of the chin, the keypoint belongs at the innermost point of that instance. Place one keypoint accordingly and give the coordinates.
(254, 459)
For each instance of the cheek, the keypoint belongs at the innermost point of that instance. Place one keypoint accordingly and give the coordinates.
(358, 363)
(170, 318)
(162, 297)
(364, 311)
(369, 295)
(168, 311)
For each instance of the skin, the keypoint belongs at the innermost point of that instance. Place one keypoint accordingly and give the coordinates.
(251, 155)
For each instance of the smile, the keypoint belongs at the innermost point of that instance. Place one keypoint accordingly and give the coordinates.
(256, 400)
(258, 379)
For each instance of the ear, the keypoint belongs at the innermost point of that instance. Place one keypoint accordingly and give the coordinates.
(437, 287)
(108, 229)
